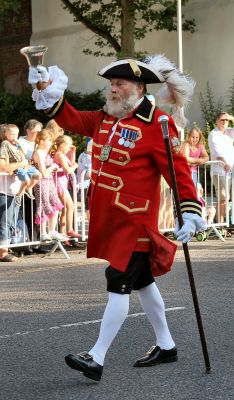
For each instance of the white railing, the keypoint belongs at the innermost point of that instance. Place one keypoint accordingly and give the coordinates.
(215, 199)
(212, 202)
(232, 190)
(21, 237)
(166, 216)
(80, 187)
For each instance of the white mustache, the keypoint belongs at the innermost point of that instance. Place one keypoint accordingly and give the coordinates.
(118, 106)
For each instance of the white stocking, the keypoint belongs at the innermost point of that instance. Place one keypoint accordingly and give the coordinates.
(115, 314)
(153, 305)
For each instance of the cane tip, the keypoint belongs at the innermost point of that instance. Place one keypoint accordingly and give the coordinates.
(208, 370)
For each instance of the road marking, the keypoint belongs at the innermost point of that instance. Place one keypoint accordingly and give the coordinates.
(95, 321)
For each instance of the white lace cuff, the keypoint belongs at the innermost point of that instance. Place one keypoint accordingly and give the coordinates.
(46, 98)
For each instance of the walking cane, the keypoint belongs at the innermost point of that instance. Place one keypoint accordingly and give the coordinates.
(163, 120)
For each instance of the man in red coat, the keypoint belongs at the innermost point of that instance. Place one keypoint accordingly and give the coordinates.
(128, 160)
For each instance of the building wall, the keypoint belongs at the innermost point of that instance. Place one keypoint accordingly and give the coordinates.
(15, 35)
(207, 54)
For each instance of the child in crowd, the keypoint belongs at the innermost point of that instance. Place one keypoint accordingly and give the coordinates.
(48, 203)
(194, 151)
(56, 132)
(12, 151)
(62, 146)
(208, 213)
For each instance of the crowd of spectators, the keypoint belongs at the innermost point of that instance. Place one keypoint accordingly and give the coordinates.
(35, 171)
(220, 146)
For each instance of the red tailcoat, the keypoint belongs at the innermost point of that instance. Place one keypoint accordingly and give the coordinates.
(125, 189)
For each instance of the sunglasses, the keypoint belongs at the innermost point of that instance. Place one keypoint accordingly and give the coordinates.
(224, 120)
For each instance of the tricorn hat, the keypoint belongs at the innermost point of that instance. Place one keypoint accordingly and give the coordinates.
(132, 69)
(176, 89)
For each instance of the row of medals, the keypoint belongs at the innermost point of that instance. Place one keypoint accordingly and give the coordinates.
(127, 139)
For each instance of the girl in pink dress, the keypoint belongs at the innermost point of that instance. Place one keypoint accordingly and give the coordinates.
(63, 145)
(48, 203)
(195, 152)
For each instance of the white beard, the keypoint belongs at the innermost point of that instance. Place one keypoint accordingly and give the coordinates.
(122, 107)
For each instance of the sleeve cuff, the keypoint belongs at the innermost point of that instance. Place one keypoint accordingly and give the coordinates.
(191, 206)
(57, 107)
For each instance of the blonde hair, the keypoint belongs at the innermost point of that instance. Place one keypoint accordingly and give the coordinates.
(63, 139)
(8, 129)
(43, 135)
(55, 128)
(201, 136)
(11, 126)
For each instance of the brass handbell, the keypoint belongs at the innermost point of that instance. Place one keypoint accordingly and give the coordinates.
(34, 54)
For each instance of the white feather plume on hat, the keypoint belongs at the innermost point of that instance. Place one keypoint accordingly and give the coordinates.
(177, 89)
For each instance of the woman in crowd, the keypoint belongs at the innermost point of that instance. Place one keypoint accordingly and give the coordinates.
(194, 151)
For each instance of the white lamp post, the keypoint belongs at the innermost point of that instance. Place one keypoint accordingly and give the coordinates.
(180, 48)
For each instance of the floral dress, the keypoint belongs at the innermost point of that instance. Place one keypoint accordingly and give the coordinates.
(61, 179)
(46, 196)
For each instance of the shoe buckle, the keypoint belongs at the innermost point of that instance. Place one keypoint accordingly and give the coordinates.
(85, 356)
(151, 350)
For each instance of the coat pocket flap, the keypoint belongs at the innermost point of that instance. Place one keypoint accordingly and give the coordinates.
(131, 204)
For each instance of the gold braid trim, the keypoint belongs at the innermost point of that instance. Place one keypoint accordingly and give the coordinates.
(135, 68)
(54, 110)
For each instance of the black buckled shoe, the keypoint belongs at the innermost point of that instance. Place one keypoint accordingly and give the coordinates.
(85, 363)
(155, 355)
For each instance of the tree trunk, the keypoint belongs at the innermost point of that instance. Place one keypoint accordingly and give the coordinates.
(127, 29)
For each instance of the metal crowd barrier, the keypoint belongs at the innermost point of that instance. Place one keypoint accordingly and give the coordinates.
(212, 204)
(82, 219)
(232, 199)
(166, 215)
(21, 237)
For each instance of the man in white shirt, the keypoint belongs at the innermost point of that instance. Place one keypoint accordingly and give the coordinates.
(220, 142)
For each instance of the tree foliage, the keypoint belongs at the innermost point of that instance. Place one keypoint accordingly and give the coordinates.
(118, 23)
(7, 7)
(17, 109)
(10, 5)
(211, 107)
(231, 101)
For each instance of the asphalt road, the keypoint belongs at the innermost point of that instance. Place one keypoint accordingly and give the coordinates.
(53, 306)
